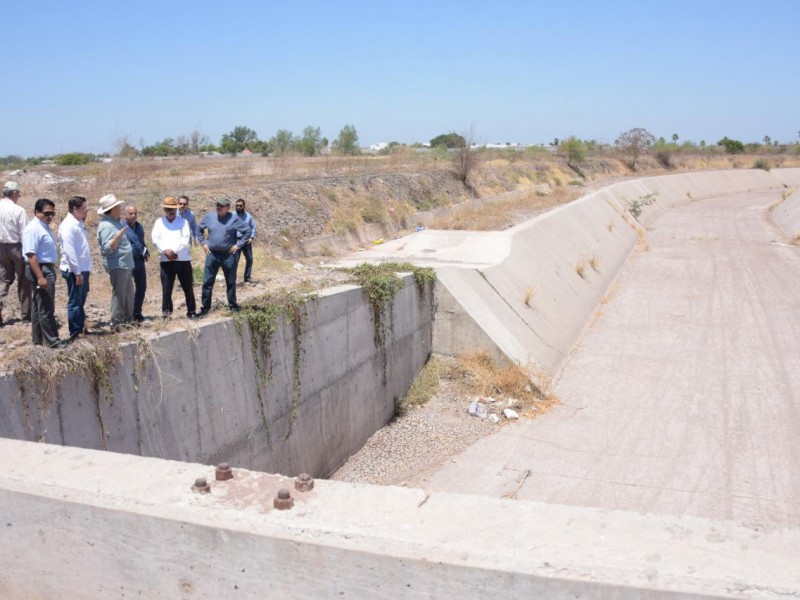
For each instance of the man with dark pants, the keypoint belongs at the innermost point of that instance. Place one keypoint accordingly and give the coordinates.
(227, 234)
(41, 254)
(12, 263)
(76, 262)
(172, 238)
(135, 233)
(247, 249)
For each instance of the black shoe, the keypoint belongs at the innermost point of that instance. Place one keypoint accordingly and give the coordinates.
(248, 280)
(139, 318)
(193, 315)
(203, 312)
(60, 345)
(234, 309)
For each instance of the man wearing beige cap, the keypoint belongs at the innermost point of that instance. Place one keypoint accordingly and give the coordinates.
(117, 255)
(12, 263)
(172, 238)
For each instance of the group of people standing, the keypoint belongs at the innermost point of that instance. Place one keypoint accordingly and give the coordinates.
(29, 254)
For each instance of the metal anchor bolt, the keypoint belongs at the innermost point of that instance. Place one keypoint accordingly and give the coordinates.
(284, 500)
(224, 472)
(201, 486)
(304, 483)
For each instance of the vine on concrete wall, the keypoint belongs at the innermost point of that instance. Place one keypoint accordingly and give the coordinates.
(381, 283)
(263, 316)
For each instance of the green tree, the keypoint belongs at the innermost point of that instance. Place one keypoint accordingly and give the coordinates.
(74, 158)
(283, 142)
(347, 142)
(635, 142)
(575, 150)
(731, 146)
(237, 140)
(165, 147)
(449, 140)
(675, 138)
(310, 143)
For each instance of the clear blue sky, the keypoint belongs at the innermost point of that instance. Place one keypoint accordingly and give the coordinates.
(78, 75)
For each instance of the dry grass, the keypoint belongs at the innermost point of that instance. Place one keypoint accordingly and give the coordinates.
(594, 262)
(580, 268)
(501, 214)
(528, 296)
(477, 374)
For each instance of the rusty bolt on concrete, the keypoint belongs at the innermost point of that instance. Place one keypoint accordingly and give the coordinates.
(224, 472)
(304, 483)
(201, 486)
(284, 500)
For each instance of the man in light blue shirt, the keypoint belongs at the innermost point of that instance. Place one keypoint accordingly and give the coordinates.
(117, 259)
(41, 255)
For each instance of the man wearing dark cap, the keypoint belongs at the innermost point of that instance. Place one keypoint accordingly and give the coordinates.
(12, 264)
(222, 234)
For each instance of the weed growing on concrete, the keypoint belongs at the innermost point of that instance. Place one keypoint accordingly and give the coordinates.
(580, 268)
(635, 206)
(610, 226)
(528, 296)
(594, 262)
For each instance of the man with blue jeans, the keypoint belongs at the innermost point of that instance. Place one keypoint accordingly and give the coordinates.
(227, 234)
(76, 262)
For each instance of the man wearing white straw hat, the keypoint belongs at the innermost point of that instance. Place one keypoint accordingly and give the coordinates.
(117, 255)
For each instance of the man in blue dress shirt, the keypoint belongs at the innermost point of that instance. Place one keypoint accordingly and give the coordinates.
(135, 233)
(227, 234)
(41, 255)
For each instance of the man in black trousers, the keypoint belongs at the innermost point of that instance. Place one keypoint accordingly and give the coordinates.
(41, 254)
(135, 233)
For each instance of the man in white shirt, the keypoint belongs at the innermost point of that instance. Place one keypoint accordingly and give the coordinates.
(76, 262)
(12, 264)
(172, 238)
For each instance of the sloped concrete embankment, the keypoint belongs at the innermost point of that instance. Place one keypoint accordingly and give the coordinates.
(786, 214)
(210, 394)
(531, 306)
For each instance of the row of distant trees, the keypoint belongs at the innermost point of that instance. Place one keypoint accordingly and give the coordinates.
(633, 142)
(241, 138)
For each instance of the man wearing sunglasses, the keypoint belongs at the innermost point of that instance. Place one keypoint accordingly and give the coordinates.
(186, 212)
(227, 234)
(41, 254)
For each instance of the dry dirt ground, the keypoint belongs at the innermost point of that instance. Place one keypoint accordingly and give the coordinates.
(292, 201)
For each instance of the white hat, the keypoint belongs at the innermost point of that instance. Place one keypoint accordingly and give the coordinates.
(11, 186)
(108, 202)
